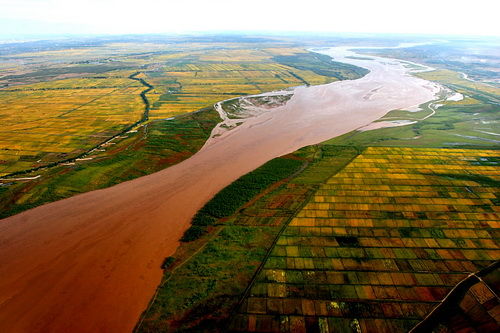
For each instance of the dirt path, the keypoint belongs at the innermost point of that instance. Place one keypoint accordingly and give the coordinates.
(91, 263)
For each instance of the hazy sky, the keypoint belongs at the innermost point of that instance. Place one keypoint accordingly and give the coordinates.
(477, 17)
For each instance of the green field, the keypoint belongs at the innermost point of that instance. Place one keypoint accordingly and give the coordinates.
(469, 123)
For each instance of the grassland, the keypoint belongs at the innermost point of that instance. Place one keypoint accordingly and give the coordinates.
(476, 90)
(477, 58)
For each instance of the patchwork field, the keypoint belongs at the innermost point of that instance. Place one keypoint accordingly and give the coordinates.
(368, 242)
(380, 243)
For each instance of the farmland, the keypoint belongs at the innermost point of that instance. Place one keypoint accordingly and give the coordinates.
(95, 115)
(379, 244)
(48, 122)
(63, 117)
(369, 241)
(191, 84)
(206, 277)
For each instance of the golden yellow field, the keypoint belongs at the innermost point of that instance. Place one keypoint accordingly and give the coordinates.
(46, 122)
(60, 112)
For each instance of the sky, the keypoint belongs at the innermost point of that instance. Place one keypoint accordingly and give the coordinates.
(443, 17)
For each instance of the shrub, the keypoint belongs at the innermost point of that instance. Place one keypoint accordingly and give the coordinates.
(193, 233)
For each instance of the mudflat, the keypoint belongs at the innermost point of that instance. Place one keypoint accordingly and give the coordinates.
(91, 263)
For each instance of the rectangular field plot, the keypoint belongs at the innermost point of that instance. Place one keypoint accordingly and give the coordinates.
(380, 243)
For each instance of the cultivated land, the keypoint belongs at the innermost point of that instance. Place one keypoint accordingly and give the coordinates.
(61, 118)
(52, 121)
(113, 125)
(371, 241)
(379, 244)
(249, 263)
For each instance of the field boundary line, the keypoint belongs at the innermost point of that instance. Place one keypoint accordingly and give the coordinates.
(315, 188)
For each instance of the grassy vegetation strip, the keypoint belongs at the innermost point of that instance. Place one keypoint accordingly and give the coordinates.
(171, 265)
(206, 286)
(149, 87)
(232, 197)
(322, 65)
